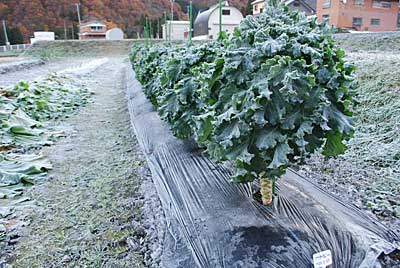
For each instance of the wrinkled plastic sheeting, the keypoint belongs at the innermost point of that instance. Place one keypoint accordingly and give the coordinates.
(215, 223)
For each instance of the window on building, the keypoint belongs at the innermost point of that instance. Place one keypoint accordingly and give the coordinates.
(255, 7)
(326, 4)
(381, 4)
(325, 18)
(358, 2)
(96, 28)
(226, 12)
(386, 4)
(261, 10)
(357, 22)
(375, 22)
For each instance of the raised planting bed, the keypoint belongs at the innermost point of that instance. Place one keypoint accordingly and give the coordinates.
(249, 107)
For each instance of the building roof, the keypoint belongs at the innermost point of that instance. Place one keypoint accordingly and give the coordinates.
(309, 4)
(93, 23)
(257, 2)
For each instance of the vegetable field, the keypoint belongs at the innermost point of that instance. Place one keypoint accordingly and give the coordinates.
(268, 96)
(275, 96)
(269, 147)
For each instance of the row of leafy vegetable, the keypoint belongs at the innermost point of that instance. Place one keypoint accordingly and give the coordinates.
(369, 171)
(268, 96)
(26, 113)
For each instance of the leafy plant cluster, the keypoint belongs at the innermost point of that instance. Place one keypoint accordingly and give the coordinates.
(25, 113)
(275, 91)
(25, 108)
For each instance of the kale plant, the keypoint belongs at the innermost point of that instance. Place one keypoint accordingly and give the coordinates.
(274, 92)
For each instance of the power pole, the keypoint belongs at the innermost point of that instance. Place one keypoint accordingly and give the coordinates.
(150, 30)
(172, 18)
(158, 28)
(5, 33)
(220, 17)
(165, 27)
(146, 32)
(190, 21)
(65, 29)
(79, 13)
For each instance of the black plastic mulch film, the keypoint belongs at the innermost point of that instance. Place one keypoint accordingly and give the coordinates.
(214, 223)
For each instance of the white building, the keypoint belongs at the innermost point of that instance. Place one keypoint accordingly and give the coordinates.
(179, 29)
(206, 25)
(42, 36)
(115, 34)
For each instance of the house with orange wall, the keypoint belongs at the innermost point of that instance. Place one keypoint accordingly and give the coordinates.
(360, 15)
(92, 30)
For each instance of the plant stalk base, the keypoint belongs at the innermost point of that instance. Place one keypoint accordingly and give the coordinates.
(266, 191)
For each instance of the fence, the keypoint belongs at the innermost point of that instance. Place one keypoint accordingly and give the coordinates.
(14, 47)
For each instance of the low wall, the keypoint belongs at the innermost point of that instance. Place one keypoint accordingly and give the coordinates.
(83, 47)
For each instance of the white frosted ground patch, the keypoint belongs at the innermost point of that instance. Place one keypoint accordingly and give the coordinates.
(85, 68)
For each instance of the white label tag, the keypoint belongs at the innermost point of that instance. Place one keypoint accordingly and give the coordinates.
(322, 259)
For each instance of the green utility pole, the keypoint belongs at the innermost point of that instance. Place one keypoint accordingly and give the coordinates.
(151, 30)
(146, 32)
(158, 28)
(220, 17)
(190, 21)
(150, 33)
(165, 26)
(170, 23)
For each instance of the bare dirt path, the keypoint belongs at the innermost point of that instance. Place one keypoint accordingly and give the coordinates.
(88, 210)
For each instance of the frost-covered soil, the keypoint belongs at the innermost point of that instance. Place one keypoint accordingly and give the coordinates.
(368, 174)
(19, 64)
(8, 59)
(15, 72)
(98, 207)
(377, 41)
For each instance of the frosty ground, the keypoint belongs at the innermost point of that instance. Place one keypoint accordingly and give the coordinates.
(87, 213)
(98, 207)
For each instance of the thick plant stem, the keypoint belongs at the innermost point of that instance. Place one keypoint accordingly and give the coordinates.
(266, 191)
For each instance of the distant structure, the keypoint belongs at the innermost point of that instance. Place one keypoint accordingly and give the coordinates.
(179, 29)
(307, 6)
(42, 36)
(360, 15)
(206, 25)
(92, 30)
(115, 34)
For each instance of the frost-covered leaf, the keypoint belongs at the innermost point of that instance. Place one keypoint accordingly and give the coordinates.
(268, 138)
(272, 93)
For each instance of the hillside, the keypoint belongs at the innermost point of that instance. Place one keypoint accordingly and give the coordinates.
(26, 16)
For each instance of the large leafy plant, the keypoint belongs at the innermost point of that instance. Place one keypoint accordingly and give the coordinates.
(268, 96)
(26, 107)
